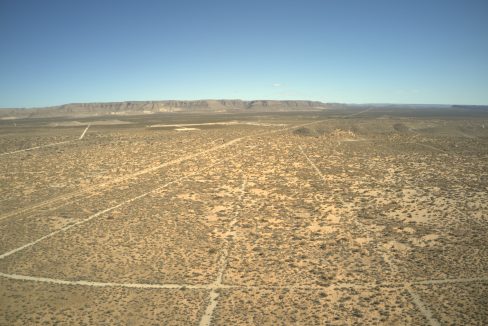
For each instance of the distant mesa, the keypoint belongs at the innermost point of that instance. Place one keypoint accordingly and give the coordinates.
(80, 110)
(151, 107)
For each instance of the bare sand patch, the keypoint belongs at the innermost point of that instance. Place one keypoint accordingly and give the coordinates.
(362, 241)
(110, 122)
(186, 129)
(395, 245)
(223, 123)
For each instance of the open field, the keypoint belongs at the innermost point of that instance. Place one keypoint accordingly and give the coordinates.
(341, 216)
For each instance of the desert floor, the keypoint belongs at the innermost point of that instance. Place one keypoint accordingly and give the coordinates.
(308, 218)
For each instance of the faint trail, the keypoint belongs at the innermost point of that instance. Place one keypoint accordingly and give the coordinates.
(67, 202)
(430, 147)
(89, 218)
(84, 132)
(416, 299)
(208, 314)
(44, 203)
(312, 163)
(214, 294)
(420, 305)
(24, 172)
(358, 113)
(213, 286)
(32, 148)
(451, 280)
(110, 284)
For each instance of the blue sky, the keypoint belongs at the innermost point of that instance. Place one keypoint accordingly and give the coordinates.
(354, 51)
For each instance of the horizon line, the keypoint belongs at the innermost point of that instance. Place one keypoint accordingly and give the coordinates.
(243, 100)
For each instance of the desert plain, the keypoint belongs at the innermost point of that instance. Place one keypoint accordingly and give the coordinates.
(366, 216)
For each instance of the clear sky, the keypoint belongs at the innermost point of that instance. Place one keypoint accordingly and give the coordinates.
(354, 51)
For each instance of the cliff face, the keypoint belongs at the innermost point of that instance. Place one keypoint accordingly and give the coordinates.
(140, 107)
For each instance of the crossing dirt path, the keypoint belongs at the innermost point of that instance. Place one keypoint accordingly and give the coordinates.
(37, 147)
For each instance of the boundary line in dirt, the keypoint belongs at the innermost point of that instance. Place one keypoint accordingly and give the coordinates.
(213, 297)
(213, 286)
(84, 132)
